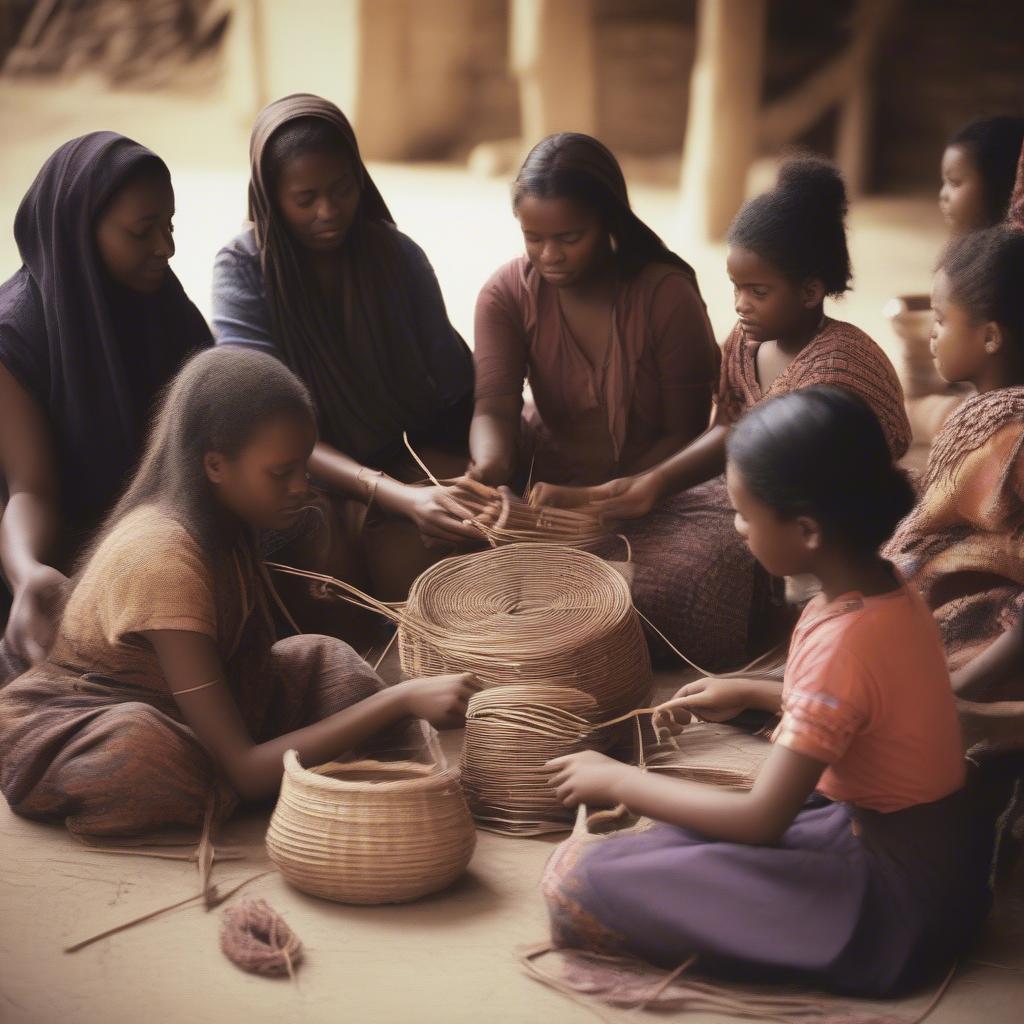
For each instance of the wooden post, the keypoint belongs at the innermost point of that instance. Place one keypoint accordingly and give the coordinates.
(553, 56)
(725, 97)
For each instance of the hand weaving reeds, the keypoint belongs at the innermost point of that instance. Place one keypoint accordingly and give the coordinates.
(505, 519)
(369, 831)
(528, 613)
(511, 733)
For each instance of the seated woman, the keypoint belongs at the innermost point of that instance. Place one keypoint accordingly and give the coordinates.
(693, 577)
(961, 544)
(92, 327)
(853, 863)
(165, 693)
(325, 281)
(605, 323)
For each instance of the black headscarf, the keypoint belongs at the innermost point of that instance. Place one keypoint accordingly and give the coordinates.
(92, 353)
(366, 360)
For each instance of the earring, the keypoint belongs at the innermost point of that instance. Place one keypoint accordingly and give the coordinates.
(990, 347)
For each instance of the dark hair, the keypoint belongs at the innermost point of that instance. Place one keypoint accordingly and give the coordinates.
(986, 277)
(217, 401)
(994, 144)
(800, 224)
(821, 452)
(570, 165)
(298, 136)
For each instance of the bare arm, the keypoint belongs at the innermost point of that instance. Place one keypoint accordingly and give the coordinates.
(190, 659)
(632, 497)
(759, 817)
(435, 510)
(494, 439)
(998, 663)
(30, 528)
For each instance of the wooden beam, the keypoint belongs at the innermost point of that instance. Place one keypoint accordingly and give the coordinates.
(725, 97)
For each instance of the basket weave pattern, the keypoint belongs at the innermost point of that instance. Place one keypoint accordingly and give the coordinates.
(370, 831)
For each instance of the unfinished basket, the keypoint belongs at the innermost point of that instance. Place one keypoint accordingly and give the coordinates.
(536, 614)
(370, 831)
(511, 733)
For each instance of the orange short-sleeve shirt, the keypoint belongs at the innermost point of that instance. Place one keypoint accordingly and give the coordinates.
(867, 692)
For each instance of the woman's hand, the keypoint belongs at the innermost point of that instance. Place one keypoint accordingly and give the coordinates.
(629, 497)
(439, 515)
(35, 612)
(587, 778)
(709, 699)
(440, 700)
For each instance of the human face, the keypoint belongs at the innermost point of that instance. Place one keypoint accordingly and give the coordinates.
(957, 342)
(565, 241)
(962, 196)
(785, 547)
(318, 194)
(770, 306)
(266, 484)
(134, 234)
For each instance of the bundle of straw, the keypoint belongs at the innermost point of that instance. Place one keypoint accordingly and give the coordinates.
(511, 733)
(529, 613)
(503, 519)
(713, 753)
(370, 831)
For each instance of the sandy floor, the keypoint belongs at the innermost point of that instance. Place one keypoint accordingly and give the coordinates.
(450, 958)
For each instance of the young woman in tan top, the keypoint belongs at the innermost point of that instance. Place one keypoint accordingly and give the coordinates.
(165, 689)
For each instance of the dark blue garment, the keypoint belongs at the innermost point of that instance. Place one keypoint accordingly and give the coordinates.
(92, 354)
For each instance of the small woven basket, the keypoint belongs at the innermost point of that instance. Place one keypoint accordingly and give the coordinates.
(370, 832)
(532, 614)
(511, 734)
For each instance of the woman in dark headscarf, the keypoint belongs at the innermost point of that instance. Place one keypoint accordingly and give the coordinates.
(603, 319)
(325, 281)
(92, 327)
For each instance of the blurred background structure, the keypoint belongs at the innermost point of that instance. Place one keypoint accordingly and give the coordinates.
(696, 97)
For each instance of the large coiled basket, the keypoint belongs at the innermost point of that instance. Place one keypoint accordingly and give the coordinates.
(370, 831)
(529, 614)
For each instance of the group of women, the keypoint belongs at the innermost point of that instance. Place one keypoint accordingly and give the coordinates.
(152, 670)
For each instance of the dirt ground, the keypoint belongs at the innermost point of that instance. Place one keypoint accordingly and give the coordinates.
(450, 958)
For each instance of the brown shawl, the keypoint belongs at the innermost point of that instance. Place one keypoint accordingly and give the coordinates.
(840, 355)
(962, 545)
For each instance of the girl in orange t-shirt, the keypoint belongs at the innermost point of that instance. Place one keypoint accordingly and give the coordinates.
(851, 863)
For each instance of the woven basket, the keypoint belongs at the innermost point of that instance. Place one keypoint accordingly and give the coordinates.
(532, 614)
(511, 733)
(370, 831)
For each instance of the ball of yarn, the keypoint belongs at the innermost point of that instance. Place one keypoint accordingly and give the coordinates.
(256, 938)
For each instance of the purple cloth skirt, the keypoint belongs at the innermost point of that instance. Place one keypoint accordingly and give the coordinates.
(850, 900)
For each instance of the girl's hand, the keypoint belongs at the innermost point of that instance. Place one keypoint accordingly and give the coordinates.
(629, 497)
(712, 700)
(587, 778)
(440, 516)
(439, 700)
(35, 612)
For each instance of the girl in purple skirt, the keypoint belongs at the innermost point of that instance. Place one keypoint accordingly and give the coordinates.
(854, 863)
